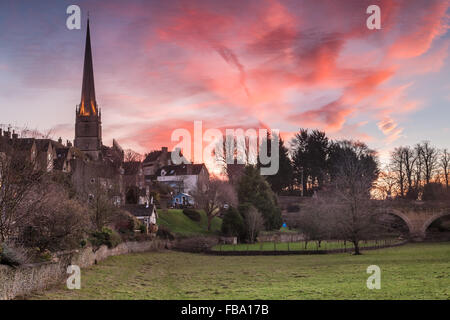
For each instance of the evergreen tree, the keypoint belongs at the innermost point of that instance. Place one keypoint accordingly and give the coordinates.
(255, 190)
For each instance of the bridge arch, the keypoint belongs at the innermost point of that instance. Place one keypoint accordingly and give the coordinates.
(432, 219)
(402, 216)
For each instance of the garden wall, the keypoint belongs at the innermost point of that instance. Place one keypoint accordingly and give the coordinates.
(20, 281)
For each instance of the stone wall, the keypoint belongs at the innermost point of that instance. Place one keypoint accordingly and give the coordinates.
(280, 237)
(20, 281)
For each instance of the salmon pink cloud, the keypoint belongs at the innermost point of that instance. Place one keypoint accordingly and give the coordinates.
(283, 64)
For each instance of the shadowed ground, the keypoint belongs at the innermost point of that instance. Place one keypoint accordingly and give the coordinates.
(414, 271)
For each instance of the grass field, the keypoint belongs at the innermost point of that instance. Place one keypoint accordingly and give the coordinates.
(413, 271)
(298, 246)
(177, 222)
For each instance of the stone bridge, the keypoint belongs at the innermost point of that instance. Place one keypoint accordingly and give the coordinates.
(417, 215)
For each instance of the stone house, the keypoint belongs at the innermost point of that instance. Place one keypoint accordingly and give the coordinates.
(183, 178)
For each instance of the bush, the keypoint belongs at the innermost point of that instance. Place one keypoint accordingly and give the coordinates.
(143, 228)
(164, 233)
(293, 208)
(106, 237)
(57, 223)
(233, 223)
(192, 214)
(196, 244)
(13, 255)
(125, 222)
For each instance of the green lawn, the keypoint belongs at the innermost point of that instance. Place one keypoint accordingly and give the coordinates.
(413, 271)
(294, 246)
(177, 222)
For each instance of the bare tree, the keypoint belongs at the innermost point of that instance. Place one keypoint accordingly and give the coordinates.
(20, 178)
(429, 156)
(398, 167)
(101, 203)
(385, 185)
(132, 156)
(254, 223)
(55, 223)
(354, 215)
(313, 220)
(212, 196)
(445, 165)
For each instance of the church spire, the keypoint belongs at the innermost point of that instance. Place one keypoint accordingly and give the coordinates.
(88, 105)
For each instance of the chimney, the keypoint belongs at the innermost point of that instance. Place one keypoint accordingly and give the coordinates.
(68, 143)
(14, 135)
(60, 140)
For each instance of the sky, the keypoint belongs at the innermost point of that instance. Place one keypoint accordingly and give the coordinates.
(286, 65)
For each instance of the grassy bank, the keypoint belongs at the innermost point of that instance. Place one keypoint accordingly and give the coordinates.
(413, 271)
(177, 222)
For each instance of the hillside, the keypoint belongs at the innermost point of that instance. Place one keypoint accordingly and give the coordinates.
(181, 225)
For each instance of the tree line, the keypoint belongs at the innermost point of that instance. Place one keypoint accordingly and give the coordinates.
(416, 172)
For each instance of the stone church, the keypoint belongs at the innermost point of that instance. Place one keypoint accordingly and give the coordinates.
(99, 164)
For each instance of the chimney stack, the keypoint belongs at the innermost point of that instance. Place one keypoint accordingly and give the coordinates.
(14, 135)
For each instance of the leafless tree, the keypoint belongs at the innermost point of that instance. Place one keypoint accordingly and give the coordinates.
(354, 213)
(398, 167)
(212, 196)
(429, 155)
(445, 165)
(101, 203)
(132, 156)
(55, 223)
(254, 223)
(20, 178)
(313, 221)
(385, 185)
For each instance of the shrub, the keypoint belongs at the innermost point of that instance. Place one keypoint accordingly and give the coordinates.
(13, 255)
(56, 223)
(196, 244)
(192, 214)
(143, 228)
(293, 208)
(125, 222)
(233, 223)
(106, 237)
(164, 233)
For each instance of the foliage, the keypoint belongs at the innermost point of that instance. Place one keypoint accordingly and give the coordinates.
(56, 222)
(213, 195)
(435, 191)
(233, 223)
(164, 233)
(124, 222)
(20, 179)
(192, 214)
(13, 255)
(253, 222)
(293, 208)
(101, 207)
(105, 236)
(282, 180)
(255, 190)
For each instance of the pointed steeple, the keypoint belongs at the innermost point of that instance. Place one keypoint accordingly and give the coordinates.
(88, 105)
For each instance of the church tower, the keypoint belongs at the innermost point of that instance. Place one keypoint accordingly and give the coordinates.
(88, 123)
